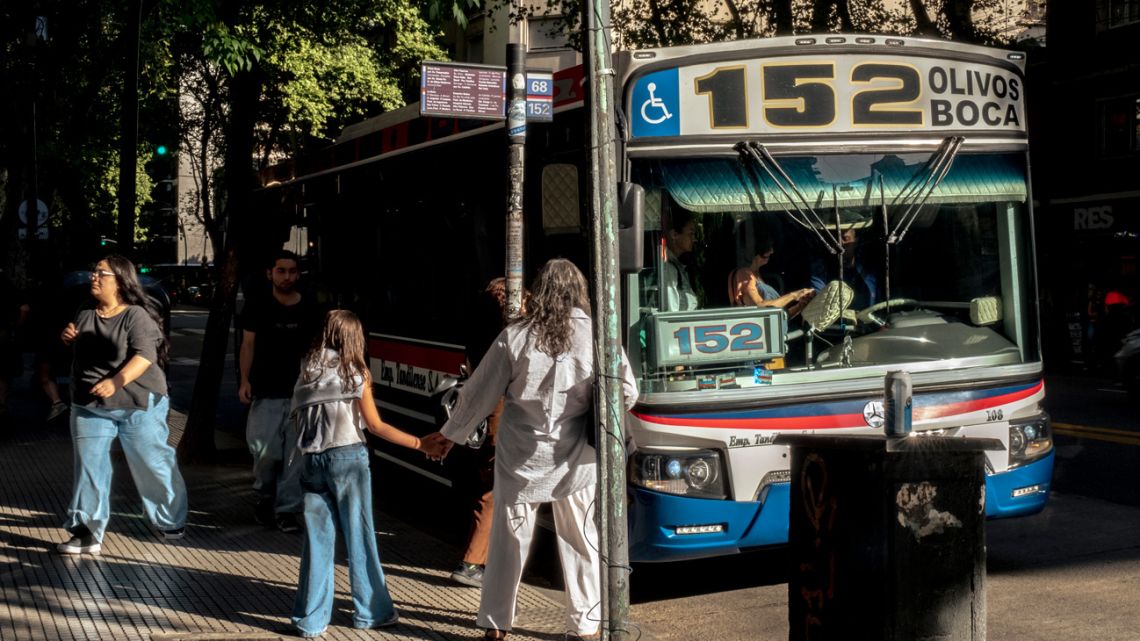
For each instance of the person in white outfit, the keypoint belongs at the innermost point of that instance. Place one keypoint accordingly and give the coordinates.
(544, 367)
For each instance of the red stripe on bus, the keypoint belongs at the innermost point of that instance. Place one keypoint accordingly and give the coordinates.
(440, 359)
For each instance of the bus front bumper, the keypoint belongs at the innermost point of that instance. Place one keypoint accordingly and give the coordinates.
(1020, 491)
(655, 517)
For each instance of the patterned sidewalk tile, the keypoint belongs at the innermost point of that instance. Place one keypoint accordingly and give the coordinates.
(227, 580)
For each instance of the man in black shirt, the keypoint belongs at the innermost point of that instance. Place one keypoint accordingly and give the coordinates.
(276, 332)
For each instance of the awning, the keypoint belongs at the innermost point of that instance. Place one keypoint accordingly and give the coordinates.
(722, 184)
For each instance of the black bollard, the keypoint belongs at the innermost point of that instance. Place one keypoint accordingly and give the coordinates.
(887, 537)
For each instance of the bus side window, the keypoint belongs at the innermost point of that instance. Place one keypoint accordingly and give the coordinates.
(560, 209)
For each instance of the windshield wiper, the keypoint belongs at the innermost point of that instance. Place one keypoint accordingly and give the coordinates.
(762, 158)
(937, 168)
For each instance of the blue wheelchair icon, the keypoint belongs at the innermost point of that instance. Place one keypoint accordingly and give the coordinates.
(655, 105)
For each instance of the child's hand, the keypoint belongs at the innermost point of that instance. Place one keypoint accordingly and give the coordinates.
(435, 446)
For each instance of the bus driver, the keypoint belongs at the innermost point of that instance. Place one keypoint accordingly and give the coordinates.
(679, 240)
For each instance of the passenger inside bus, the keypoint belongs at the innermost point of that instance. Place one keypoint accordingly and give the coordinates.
(746, 285)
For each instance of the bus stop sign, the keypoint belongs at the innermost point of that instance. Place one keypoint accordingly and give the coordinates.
(539, 96)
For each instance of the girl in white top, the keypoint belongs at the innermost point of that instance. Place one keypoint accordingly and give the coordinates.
(332, 405)
(544, 367)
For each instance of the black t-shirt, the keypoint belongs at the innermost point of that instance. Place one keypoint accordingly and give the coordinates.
(104, 345)
(282, 337)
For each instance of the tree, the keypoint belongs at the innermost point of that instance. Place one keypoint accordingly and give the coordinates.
(268, 80)
(72, 75)
(657, 23)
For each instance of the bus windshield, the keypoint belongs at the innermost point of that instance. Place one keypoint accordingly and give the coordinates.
(822, 267)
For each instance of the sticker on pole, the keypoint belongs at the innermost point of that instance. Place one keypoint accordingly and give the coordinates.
(463, 91)
(539, 96)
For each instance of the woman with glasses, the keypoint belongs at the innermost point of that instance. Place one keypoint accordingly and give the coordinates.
(119, 390)
(747, 287)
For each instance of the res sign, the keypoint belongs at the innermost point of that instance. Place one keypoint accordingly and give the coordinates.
(827, 94)
(1097, 217)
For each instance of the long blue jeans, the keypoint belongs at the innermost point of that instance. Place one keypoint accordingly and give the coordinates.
(276, 462)
(338, 491)
(151, 460)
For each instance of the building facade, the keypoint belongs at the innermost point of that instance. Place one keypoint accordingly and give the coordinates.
(1087, 179)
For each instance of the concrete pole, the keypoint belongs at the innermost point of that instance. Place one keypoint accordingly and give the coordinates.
(610, 409)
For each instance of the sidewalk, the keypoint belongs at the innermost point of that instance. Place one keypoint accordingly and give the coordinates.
(228, 579)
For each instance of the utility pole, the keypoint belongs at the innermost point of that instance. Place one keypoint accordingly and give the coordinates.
(609, 404)
(516, 172)
(32, 202)
(129, 129)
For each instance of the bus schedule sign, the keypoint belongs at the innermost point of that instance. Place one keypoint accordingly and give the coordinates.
(463, 91)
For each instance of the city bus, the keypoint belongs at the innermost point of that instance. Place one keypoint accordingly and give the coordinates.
(873, 190)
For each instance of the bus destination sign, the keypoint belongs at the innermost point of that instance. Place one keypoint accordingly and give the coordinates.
(463, 91)
(827, 94)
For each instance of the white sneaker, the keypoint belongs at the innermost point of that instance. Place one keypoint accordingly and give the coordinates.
(58, 408)
(77, 545)
(386, 623)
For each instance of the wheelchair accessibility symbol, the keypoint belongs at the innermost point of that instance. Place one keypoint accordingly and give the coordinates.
(655, 106)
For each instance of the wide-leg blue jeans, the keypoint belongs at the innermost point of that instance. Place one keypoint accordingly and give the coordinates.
(338, 492)
(151, 460)
(276, 462)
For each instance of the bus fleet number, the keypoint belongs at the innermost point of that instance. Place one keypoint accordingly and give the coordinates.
(803, 95)
(713, 339)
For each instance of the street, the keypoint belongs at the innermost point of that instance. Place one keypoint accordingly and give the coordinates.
(1071, 572)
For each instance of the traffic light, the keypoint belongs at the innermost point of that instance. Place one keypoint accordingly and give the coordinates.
(161, 150)
(164, 195)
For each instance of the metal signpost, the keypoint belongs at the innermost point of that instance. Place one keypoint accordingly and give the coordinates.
(488, 92)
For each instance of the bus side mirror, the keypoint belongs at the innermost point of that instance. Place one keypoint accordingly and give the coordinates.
(631, 213)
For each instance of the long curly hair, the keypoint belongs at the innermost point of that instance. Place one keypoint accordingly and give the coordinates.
(559, 288)
(131, 292)
(343, 334)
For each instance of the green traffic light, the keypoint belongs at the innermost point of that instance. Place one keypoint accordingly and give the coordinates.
(161, 150)
(144, 270)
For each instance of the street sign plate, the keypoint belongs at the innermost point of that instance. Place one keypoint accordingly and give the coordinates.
(41, 212)
(539, 96)
(463, 91)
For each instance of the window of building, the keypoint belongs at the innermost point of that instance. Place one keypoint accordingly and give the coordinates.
(473, 52)
(547, 33)
(1116, 13)
(1120, 126)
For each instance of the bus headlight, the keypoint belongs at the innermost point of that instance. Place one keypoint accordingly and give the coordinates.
(1029, 440)
(696, 473)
